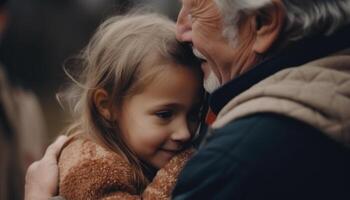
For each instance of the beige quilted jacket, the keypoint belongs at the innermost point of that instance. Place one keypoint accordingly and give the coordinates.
(317, 93)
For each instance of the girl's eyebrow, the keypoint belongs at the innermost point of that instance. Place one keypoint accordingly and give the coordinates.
(177, 106)
(172, 105)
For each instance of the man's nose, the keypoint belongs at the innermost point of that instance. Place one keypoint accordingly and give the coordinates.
(184, 27)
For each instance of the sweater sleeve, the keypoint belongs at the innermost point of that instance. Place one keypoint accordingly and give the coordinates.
(94, 176)
(107, 176)
(163, 183)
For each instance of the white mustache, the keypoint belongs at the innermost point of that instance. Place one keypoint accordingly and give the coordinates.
(198, 54)
(211, 83)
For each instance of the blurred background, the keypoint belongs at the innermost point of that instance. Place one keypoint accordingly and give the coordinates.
(38, 37)
(41, 34)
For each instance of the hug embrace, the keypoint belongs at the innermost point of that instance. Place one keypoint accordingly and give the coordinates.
(278, 78)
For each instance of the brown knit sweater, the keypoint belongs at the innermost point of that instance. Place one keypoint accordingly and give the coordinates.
(90, 171)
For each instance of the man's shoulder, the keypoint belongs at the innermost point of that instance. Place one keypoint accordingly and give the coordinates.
(263, 123)
(260, 136)
(262, 119)
(255, 125)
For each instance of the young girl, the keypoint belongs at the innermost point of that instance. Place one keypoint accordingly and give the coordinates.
(136, 103)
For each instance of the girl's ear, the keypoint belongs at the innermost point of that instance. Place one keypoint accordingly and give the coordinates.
(101, 101)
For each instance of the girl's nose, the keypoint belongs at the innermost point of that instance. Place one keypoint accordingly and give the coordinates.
(184, 27)
(182, 133)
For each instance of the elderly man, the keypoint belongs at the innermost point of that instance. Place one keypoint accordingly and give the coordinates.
(279, 74)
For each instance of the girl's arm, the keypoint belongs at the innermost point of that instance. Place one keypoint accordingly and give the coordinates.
(88, 171)
(163, 183)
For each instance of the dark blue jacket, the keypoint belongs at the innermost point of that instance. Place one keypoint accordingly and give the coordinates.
(270, 156)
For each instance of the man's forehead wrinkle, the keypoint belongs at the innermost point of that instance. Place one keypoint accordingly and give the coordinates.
(194, 8)
(204, 13)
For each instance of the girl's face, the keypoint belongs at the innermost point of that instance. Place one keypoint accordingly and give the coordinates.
(158, 122)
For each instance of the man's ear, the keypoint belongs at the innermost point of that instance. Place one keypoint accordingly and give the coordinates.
(268, 25)
(101, 101)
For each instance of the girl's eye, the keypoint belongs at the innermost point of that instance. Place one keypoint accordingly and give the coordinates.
(166, 114)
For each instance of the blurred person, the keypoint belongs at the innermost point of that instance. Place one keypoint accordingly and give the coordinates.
(11, 174)
(20, 117)
(21, 130)
(278, 71)
(11, 171)
(32, 133)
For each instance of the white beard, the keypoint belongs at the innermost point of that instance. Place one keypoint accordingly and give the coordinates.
(211, 83)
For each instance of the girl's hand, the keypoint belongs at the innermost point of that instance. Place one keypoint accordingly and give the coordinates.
(42, 176)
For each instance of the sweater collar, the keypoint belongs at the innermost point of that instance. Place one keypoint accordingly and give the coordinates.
(297, 54)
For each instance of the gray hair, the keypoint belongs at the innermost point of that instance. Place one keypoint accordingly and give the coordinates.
(303, 18)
